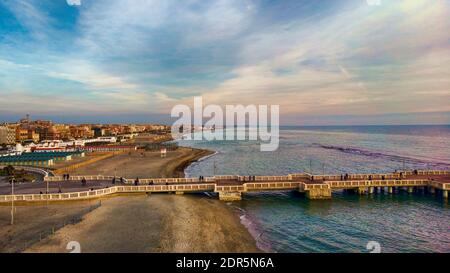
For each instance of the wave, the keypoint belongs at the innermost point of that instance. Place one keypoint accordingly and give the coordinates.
(208, 156)
(394, 158)
(252, 226)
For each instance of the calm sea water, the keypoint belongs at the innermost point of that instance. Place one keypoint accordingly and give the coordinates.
(287, 222)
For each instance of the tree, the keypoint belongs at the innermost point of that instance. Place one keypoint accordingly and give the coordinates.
(9, 170)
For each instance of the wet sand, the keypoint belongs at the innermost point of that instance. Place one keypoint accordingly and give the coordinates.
(155, 223)
(145, 164)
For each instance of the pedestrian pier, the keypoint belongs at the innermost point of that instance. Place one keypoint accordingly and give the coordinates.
(232, 187)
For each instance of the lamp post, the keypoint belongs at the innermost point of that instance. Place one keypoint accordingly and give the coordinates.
(46, 192)
(12, 201)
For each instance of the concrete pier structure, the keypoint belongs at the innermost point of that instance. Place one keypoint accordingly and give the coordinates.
(319, 194)
(231, 187)
(362, 190)
(431, 190)
(229, 196)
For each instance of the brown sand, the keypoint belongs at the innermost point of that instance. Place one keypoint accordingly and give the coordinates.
(155, 223)
(146, 165)
(32, 222)
(137, 223)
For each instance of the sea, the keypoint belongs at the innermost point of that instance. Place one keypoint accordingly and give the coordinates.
(287, 222)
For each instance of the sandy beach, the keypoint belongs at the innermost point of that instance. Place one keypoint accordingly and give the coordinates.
(134, 223)
(145, 164)
(33, 222)
(155, 223)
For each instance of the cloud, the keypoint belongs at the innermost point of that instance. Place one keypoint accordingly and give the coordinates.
(310, 58)
(74, 2)
(84, 72)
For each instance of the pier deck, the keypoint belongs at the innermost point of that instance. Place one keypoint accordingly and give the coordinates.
(230, 187)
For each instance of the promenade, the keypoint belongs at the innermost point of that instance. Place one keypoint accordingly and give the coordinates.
(230, 187)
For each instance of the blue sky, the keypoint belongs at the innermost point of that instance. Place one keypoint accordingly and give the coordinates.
(323, 62)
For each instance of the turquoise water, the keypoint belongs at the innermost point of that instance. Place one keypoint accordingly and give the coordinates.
(287, 222)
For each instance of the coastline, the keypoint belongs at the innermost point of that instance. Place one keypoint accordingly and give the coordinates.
(158, 223)
(198, 155)
(145, 164)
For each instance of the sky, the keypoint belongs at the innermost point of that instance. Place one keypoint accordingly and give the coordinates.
(325, 62)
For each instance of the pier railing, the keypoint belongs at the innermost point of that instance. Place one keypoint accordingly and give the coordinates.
(319, 187)
(106, 191)
(377, 183)
(60, 178)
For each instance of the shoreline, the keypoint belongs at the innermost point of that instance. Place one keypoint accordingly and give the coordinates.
(200, 154)
(212, 225)
(160, 223)
(238, 212)
(145, 164)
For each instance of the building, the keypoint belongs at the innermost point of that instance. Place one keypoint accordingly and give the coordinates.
(49, 133)
(78, 132)
(33, 136)
(98, 131)
(21, 134)
(63, 131)
(7, 135)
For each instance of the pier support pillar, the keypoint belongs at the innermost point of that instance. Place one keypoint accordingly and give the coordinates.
(410, 189)
(390, 190)
(445, 194)
(362, 190)
(230, 196)
(371, 190)
(319, 193)
(431, 190)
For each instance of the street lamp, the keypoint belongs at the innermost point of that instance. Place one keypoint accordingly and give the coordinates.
(12, 200)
